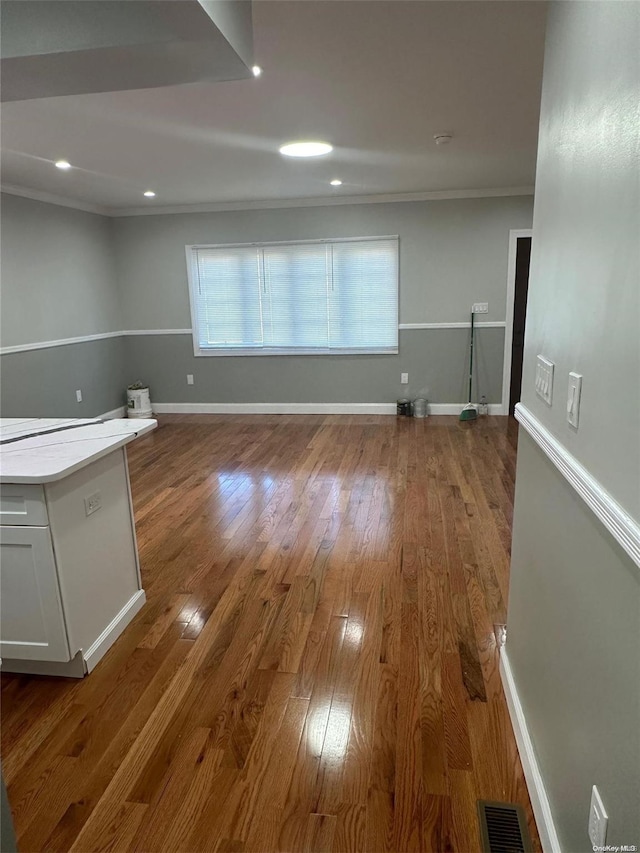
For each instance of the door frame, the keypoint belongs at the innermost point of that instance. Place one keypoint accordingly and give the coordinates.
(514, 235)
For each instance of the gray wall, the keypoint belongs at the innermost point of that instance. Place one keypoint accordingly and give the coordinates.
(436, 362)
(574, 608)
(572, 637)
(43, 382)
(58, 273)
(58, 281)
(584, 302)
(66, 273)
(452, 253)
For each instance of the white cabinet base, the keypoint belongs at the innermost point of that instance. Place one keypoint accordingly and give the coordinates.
(71, 584)
(84, 661)
(98, 650)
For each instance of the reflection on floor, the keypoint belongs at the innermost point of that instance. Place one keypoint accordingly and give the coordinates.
(316, 668)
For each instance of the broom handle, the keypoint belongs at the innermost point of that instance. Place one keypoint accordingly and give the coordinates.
(471, 359)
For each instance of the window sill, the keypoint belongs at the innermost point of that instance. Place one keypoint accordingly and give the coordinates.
(233, 353)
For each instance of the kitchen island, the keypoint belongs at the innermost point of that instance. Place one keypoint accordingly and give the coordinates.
(69, 574)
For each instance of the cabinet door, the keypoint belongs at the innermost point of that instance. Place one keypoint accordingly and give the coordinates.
(32, 624)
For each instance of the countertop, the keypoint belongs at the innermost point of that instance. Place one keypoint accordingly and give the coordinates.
(42, 450)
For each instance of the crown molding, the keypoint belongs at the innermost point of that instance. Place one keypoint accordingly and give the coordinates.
(323, 201)
(50, 198)
(265, 204)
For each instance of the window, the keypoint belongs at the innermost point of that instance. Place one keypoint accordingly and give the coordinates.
(315, 297)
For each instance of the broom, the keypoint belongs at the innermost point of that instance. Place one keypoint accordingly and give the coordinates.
(470, 412)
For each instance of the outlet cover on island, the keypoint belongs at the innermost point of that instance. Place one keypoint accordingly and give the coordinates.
(92, 503)
(79, 395)
(189, 378)
(480, 308)
(404, 378)
(598, 820)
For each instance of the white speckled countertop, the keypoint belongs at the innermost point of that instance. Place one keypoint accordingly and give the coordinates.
(30, 452)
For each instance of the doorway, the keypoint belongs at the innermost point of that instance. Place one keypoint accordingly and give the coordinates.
(517, 289)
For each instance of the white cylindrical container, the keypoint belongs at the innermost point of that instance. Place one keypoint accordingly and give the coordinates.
(138, 403)
(420, 408)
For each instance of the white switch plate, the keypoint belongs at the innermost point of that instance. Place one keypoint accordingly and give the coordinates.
(598, 820)
(573, 398)
(544, 378)
(79, 395)
(480, 308)
(404, 378)
(92, 503)
(189, 378)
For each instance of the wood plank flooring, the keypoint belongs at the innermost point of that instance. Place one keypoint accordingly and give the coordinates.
(316, 668)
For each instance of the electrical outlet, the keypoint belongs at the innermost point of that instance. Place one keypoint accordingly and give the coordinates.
(598, 820)
(92, 503)
(544, 378)
(79, 395)
(480, 308)
(404, 378)
(189, 378)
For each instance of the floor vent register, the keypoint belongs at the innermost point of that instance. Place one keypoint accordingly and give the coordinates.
(503, 828)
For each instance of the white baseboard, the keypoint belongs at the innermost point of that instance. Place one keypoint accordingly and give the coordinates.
(456, 408)
(100, 647)
(305, 408)
(64, 669)
(276, 408)
(120, 412)
(535, 783)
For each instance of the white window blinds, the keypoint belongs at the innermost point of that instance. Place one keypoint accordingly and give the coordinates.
(330, 296)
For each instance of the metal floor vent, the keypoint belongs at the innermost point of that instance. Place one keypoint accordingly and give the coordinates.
(503, 827)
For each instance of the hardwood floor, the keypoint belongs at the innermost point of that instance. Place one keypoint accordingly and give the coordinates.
(316, 668)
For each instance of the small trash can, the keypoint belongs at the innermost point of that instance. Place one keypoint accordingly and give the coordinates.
(420, 408)
(404, 407)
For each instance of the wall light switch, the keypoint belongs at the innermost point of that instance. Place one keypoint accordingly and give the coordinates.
(480, 308)
(544, 378)
(404, 378)
(573, 399)
(598, 820)
(189, 378)
(79, 395)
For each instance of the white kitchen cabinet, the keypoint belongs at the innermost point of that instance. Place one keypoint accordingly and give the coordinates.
(69, 575)
(35, 630)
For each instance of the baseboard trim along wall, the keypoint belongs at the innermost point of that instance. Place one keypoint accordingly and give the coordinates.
(304, 408)
(114, 414)
(624, 528)
(535, 784)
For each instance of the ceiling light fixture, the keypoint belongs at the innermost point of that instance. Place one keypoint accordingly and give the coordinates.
(306, 149)
(63, 164)
(336, 182)
(149, 194)
(443, 138)
(256, 70)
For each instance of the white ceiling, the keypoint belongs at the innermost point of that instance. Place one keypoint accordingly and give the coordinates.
(376, 79)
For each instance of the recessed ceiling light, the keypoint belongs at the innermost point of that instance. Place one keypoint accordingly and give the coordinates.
(256, 70)
(336, 182)
(63, 164)
(442, 138)
(306, 149)
(149, 194)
